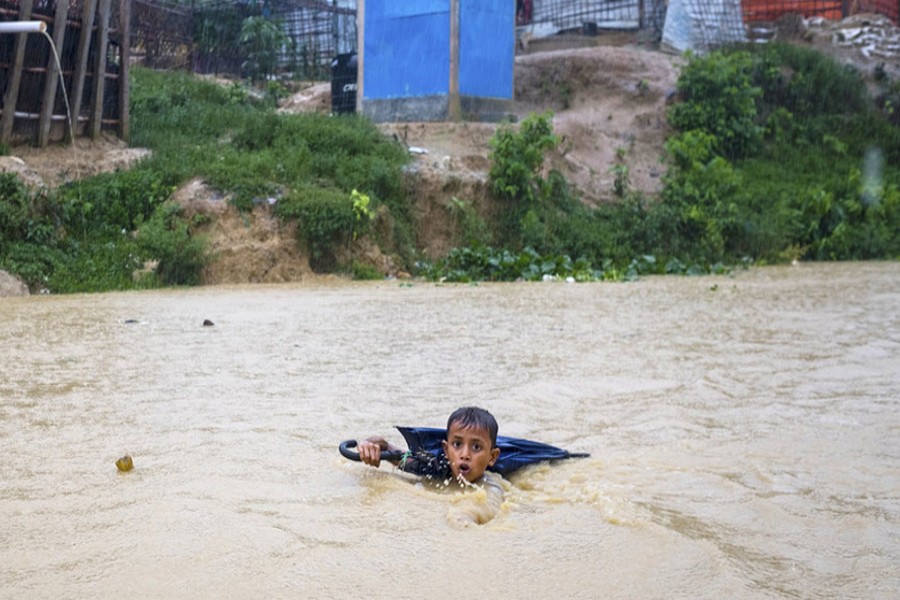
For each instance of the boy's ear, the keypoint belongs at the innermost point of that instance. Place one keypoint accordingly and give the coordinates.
(444, 445)
(494, 454)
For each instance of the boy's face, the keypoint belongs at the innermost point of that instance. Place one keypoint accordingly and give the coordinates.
(468, 449)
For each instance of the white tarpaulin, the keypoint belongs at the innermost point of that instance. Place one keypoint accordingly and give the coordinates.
(702, 24)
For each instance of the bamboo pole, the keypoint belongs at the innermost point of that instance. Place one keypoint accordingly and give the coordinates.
(360, 53)
(84, 47)
(51, 80)
(125, 69)
(15, 80)
(453, 106)
(99, 80)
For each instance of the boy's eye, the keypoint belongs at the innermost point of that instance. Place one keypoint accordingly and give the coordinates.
(476, 447)
(456, 443)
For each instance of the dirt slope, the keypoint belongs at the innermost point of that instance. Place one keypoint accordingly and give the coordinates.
(609, 107)
(609, 103)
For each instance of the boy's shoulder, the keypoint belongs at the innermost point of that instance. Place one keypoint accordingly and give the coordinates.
(491, 479)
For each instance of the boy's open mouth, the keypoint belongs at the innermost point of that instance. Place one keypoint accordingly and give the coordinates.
(464, 469)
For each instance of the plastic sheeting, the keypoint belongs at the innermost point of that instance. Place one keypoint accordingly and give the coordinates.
(702, 25)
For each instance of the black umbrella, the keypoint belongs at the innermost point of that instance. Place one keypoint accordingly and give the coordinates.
(425, 456)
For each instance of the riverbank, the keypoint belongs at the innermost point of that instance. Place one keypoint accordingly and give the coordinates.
(609, 102)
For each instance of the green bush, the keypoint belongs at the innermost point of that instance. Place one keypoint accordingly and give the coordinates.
(700, 190)
(364, 272)
(14, 210)
(472, 229)
(93, 266)
(324, 219)
(517, 157)
(798, 190)
(806, 82)
(166, 238)
(33, 263)
(174, 113)
(110, 203)
(718, 96)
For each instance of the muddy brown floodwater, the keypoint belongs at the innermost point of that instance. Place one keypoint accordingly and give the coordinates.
(744, 432)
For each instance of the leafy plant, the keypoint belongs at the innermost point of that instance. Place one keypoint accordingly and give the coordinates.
(14, 209)
(720, 97)
(324, 219)
(166, 238)
(262, 40)
(473, 230)
(621, 181)
(482, 263)
(365, 272)
(517, 158)
(362, 214)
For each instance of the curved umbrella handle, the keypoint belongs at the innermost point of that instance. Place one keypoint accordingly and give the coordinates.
(346, 452)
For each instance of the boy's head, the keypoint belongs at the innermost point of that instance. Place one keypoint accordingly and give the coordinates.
(471, 444)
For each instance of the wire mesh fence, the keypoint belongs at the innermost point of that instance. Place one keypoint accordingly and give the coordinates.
(162, 34)
(312, 33)
(210, 37)
(318, 33)
(589, 15)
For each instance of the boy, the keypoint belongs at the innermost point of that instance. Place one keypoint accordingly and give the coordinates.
(470, 447)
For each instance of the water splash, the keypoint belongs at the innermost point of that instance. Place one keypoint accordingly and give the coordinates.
(546, 484)
(478, 504)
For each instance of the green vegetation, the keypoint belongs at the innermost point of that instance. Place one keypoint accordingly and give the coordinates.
(95, 234)
(245, 38)
(261, 40)
(778, 154)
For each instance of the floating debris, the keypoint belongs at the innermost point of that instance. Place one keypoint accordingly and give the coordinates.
(125, 464)
(207, 323)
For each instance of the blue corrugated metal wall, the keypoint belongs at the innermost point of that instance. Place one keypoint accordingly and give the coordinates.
(407, 48)
(486, 48)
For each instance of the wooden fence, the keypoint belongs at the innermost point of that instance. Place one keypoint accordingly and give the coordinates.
(92, 41)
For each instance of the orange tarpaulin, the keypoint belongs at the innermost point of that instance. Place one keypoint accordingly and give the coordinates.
(834, 10)
(769, 10)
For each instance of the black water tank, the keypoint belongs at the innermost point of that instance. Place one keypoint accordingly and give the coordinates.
(343, 83)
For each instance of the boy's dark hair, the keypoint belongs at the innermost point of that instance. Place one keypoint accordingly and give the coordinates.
(472, 416)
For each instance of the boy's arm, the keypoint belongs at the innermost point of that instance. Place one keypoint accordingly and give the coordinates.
(371, 448)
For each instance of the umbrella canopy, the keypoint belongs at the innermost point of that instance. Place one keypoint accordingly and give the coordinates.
(515, 453)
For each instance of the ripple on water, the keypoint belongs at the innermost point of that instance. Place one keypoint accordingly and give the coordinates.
(744, 442)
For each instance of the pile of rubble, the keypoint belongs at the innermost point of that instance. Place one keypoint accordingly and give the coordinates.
(875, 36)
(866, 40)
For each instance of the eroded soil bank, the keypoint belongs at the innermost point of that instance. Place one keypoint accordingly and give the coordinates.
(609, 98)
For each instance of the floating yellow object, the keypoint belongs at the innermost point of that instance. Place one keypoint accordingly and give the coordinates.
(125, 464)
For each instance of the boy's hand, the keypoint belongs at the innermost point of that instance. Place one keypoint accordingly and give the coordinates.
(370, 450)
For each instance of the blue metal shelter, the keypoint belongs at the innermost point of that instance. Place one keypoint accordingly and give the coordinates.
(431, 60)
